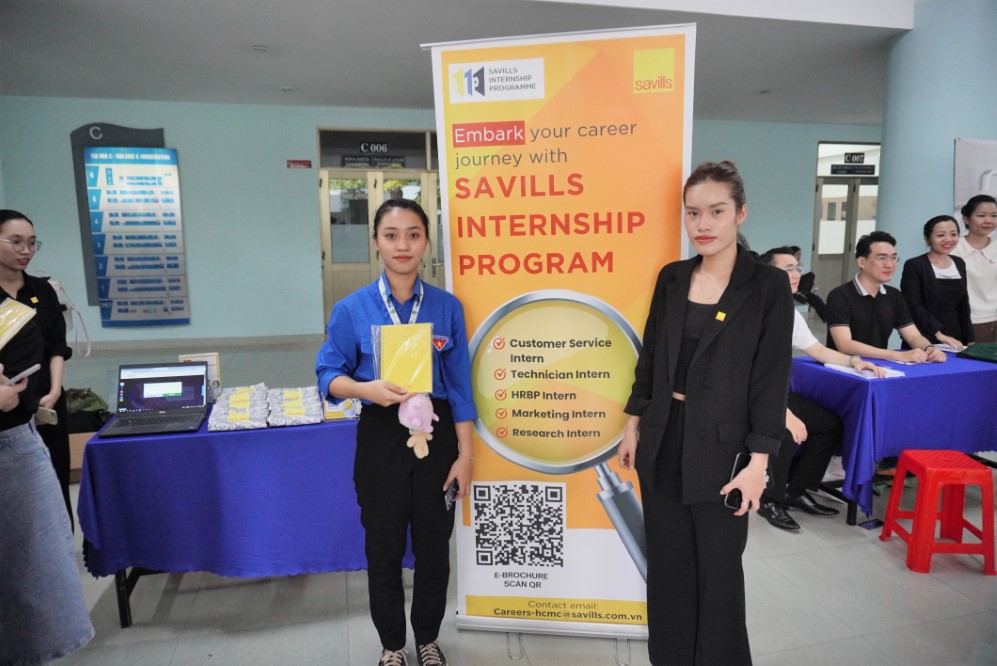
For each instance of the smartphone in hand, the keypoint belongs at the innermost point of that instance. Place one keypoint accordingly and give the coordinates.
(733, 499)
(45, 416)
(451, 495)
(21, 375)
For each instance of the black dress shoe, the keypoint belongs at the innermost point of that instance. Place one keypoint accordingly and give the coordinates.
(807, 503)
(776, 515)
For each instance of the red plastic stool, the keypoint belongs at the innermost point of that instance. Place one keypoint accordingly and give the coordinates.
(941, 475)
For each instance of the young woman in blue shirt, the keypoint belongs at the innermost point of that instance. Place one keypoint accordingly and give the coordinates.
(397, 491)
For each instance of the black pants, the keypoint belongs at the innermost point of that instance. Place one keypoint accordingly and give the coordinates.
(56, 438)
(824, 432)
(396, 492)
(695, 582)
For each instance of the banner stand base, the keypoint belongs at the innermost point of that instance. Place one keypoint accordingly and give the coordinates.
(508, 645)
(626, 642)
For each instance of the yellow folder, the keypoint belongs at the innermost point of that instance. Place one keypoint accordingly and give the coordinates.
(407, 356)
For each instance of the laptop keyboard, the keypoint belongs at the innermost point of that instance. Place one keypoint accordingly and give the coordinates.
(159, 419)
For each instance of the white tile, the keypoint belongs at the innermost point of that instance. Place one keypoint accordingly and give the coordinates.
(969, 639)
(310, 643)
(815, 532)
(845, 652)
(242, 604)
(160, 607)
(781, 616)
(869, 589)
(310, 598)
(151, 653)
(544, 649)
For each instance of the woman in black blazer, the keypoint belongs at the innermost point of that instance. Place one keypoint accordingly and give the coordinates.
(934, 286)
(710, 383)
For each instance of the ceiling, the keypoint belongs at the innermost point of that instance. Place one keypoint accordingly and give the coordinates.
(367, 53)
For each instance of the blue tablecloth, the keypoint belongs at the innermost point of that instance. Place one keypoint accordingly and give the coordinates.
(250, 503)
(950, 405)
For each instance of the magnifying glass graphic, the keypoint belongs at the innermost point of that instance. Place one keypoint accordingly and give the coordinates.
(553, 370)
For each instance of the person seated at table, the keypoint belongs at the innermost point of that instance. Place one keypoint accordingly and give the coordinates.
(934, 285)
(805, 292)
(806, 422)
(864, 312)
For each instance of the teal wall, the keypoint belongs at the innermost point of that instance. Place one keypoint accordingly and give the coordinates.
(940, 87)
(251, 225)
(778, 162)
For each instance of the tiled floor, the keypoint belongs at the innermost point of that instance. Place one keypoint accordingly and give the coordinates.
(830, 594)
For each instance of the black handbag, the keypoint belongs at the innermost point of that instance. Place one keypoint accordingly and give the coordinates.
(87, 411)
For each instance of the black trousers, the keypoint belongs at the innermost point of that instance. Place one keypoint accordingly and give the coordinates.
(824, 432)
(695, 582)
(398, 492)
(56, 438)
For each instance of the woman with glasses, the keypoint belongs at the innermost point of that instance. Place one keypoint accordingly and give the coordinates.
(805, 293)
(979, 251)
(934, 286)
(18, 247)
(805, 422)
(42, 612)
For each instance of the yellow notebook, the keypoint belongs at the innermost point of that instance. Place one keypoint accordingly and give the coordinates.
(407, 356)
(13, 317)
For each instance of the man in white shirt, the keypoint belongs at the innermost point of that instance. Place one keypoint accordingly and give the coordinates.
(811, 427)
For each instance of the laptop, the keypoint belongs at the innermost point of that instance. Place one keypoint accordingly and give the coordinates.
(159, 398)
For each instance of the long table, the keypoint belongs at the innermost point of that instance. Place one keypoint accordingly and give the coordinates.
(248, 503)
(951, 405)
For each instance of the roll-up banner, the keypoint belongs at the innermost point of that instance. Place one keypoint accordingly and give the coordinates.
(562, 162)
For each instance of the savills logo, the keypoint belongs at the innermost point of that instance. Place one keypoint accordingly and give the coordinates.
(654, 71)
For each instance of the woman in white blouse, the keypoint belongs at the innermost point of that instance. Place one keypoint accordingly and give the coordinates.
(980, 253)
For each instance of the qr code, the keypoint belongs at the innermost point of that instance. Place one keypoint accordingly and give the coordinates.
(519, 523)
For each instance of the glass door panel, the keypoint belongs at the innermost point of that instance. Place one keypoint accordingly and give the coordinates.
(349, 208)
(830, 258)
(844, 210)
(868, 197)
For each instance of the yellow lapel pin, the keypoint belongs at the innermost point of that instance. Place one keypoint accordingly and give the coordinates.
(34, 299)
(721, 316)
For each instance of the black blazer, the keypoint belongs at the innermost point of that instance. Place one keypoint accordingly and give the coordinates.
(920, 288)
(737, 381)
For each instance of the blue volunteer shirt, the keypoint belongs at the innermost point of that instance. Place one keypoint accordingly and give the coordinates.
(348, 348)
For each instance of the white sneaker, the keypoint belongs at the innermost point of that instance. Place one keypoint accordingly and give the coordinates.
(430, 654)
(393, 658)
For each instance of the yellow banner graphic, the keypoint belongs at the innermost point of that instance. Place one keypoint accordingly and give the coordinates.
(562, 159)
(559, 610)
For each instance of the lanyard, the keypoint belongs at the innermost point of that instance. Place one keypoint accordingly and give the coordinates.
(395, 319)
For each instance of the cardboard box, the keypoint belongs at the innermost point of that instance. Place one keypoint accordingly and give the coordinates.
(77, 441)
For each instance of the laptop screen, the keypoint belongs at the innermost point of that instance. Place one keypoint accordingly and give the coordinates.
(162, 386)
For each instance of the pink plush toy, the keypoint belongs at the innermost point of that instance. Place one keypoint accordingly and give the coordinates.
(417, 415)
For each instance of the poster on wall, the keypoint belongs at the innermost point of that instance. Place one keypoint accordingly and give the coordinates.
(136, 231)
(975, 170)
(562, 162)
